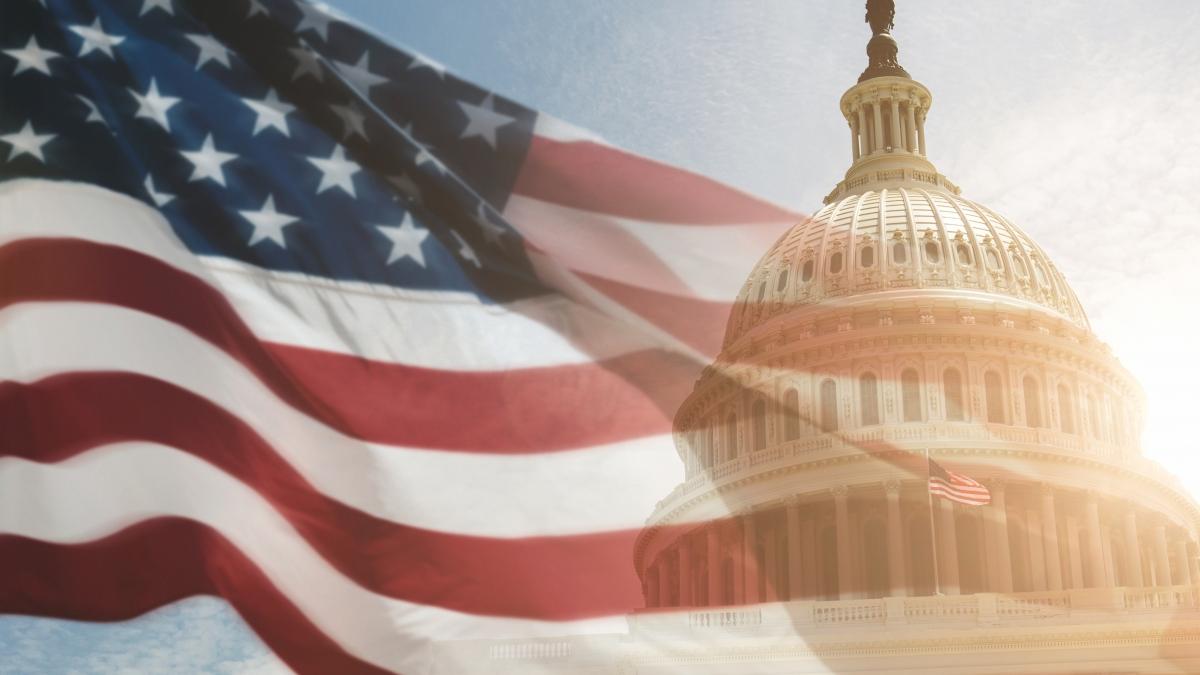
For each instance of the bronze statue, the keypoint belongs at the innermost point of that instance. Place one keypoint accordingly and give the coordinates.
(881, 14)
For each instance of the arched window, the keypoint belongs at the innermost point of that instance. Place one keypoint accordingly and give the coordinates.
(1019, 265)
(995, 397)
(806, 271)
(835, 263)
(781, 283)
(829, 418)
(731, 444)
(952, 382)
(933, 252)
(762, 291)
(866, 256)
(758, 417)
(868, 398)
(1033, 402)
(1040, 273)
(791, 415)
(910, 395)
(963, 253)
(1066, 407)
(900, 253)
(993, 259)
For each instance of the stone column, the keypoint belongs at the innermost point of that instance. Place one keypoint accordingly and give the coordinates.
(685, 573)
(737, 561)
(713, 541)
(1183, 562)
(1000, 563)
(771, 566)
(1133, 551)
(794, 549)
(854, 150)
(895, 540)
(1054, 580)
(897, 141)
(652, 583)
(1095, 552)
(878, 125)
(664, 582)
(1034, 545)
(864, 134)
(842, 531)
(921, 131)
(911, 128)
(750, 558)
(1194, 562)
(948, 543)
(1162, 565)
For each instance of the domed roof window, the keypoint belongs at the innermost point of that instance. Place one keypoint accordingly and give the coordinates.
(781, 283)
(963, 253)
(993, 259)
(835, 263)
(1019, 265)
(933, 252)
(762, 291)
(866, 256)
(1040, 273)
(900, 252)
(806, 271)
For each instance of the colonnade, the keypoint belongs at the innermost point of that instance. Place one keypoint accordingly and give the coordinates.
(883, 123)
(875, 541)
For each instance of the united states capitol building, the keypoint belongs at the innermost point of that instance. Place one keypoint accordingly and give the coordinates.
(904, 319)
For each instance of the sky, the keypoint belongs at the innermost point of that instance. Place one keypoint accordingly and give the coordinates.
(1074, 119)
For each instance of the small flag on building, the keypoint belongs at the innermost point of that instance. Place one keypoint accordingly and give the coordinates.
(957, 487)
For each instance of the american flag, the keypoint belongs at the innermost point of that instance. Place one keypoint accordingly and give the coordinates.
(294, 317)
(957, 487)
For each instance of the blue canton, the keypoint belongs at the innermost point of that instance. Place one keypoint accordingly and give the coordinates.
(271, 132)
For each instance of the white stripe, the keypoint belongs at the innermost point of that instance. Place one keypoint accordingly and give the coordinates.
(711, 261)
(432, 329)
(108, 489)
(598, 488)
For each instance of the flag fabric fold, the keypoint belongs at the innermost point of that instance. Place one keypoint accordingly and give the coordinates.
(296, 317)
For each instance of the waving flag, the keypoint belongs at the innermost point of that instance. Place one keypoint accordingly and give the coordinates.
(957, 487)
(291, 316)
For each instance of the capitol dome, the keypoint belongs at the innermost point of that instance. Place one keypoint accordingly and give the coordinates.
(910, 235)
(904, 327)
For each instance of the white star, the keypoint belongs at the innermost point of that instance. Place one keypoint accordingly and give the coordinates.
(95, 39)
(336, 171)
(483, 121)
(406, 186)
(93, 112)
(466, 251)
(164, 5)
(210, 50)
(32, 57)
(160, 198)
(359, 73)
(419, 61)
(316, 18)
(257, 8)
(307, 63)
(26, 142)
(268, 223)
(491, 231)
(352, 119)
(207, 161)
(154, 106)
(271, 112)
(406, 241)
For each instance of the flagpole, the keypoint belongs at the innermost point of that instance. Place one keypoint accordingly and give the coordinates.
(937, 585)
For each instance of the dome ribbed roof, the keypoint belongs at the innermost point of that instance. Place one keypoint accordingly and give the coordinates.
(884, 240)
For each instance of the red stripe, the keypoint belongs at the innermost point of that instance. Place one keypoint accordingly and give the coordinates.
(155, 563)
(594, 177)
(528, 410)
(556, 578)
(700, 324)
